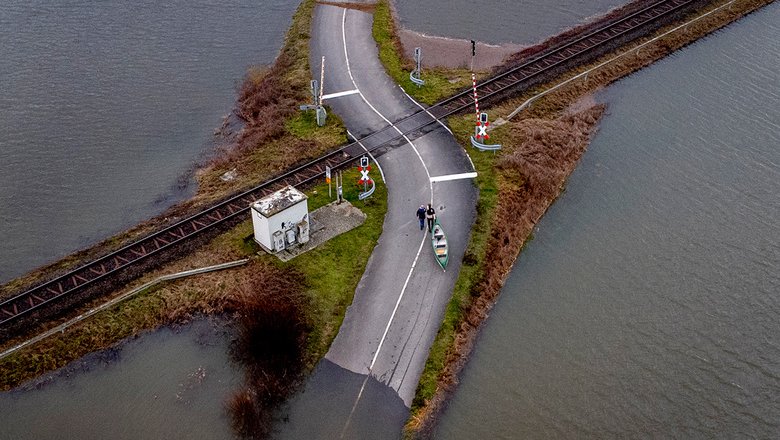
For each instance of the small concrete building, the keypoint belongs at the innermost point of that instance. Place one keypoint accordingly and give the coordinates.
(281, 219)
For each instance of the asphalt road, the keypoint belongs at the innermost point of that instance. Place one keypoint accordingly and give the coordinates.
(365, 385)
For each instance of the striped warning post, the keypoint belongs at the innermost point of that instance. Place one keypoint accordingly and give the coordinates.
(476, 101)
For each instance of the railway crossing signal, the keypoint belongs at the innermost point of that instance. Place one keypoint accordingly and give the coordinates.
(364, 168)
(316, 92)
(482, 125)
(473, 53)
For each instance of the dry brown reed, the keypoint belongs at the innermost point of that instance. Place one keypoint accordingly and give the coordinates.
(539, 155)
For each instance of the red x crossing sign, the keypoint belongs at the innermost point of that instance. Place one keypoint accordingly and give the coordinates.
(482, 126)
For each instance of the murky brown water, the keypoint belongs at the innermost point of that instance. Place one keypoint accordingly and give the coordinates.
(167, 385)
(107, 105)
(494, 21)
(646, 305)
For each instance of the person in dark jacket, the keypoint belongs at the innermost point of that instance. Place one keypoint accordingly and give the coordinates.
(421, 216)
(430, 214)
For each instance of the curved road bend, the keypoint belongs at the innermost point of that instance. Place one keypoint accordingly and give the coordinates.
(365, 384)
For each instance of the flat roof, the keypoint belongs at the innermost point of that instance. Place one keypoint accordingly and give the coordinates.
(278, 201)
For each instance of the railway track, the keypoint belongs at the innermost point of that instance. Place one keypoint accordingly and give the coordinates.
(562, 54)
(79, 279)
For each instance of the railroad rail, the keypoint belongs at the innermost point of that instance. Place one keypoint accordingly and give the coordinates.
(559, 55)
(86, 275)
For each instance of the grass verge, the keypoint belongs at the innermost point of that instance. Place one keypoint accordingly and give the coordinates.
(439, 83)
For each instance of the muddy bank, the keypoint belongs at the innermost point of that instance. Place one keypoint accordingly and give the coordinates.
(452, 53)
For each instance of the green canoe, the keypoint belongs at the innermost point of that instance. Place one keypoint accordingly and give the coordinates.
(439, 242)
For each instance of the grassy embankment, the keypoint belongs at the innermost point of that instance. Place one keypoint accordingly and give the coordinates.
(439, 82)
(276, 136)
(517, 185)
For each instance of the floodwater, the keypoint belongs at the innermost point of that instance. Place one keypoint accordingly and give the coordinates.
(647, 304)
(494, 21)
(106, 106)
(163, 385)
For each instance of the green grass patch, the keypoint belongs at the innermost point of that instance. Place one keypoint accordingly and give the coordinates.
(304, 126)
(439, 83)
(333, 270)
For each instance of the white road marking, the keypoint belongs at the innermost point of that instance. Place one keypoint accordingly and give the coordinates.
(439, 121)
(403, 290)
(453, 177)
(339, 94)
(425, 110)
(471, 161)
(397, 303)
(422, 242)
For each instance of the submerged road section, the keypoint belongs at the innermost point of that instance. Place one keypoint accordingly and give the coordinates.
(365, 385)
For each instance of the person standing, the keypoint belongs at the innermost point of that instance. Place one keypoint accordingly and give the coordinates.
(430, 214)
(421, 216)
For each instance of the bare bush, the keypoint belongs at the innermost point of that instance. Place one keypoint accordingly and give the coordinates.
(270, 316)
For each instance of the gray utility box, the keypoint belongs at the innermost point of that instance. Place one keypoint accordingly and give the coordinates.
(281, 219)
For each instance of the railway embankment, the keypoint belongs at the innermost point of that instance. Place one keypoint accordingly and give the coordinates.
(542, 145)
